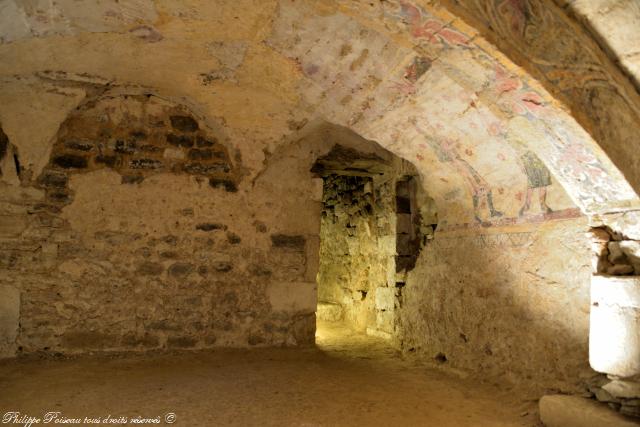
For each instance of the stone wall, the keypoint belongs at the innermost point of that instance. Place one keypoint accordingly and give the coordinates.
(510, 303)
(614, 335)
(357, 266)
(142, 233)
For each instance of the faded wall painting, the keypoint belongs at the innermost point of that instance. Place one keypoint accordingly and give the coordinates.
(494, 202)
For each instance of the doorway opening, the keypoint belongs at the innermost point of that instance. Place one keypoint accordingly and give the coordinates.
(370, 237)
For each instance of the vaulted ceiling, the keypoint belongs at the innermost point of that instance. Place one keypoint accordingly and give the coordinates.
(491, 101)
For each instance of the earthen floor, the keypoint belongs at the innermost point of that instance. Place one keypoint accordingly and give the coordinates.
(347, 380)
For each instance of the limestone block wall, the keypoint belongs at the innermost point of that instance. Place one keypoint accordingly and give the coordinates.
(357, 267)
(142, 232)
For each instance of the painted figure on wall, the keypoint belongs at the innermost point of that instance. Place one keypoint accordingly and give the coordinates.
(538, 178)
(448, 153)
(425, 27)
(412, 73)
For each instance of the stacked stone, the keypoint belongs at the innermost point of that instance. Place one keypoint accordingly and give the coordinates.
(622, 395)
(347, 198)
(173, 143)
(613, 254)
(614, 342)
(358, 244)
(408, 239)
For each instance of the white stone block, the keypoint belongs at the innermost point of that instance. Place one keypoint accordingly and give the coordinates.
(574, 411)
(614, 333)
(9, 320)
(293, 297)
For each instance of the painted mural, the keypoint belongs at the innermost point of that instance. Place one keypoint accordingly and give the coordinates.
(434, 93)
(516, 208)
(573, 155)
(576, 70)
(427, 28)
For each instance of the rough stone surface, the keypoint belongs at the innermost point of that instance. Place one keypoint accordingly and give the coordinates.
(104, 265)
(353, 266)
(471, 292)
(614, 335)
(573, 411)
(623, 389)
(9, 320)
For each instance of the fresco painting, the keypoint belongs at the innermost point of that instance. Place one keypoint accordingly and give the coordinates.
(424, 27)
(446, 81)
(447, 152)
(515, 13)
(488, 211)
(538, 179)
(575, 159)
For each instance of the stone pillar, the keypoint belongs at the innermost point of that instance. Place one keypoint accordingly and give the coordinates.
(614, 333)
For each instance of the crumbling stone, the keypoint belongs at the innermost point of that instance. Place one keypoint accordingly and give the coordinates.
(222, 266)
(210, 226)
(620, 270)
(184, 123)
(616, 256)
(223, 183)
(233, 238)
(68, 161)
(79, 146)
(132, 179)
(150, 268)
(53, 178)
(180, 269)
(288, 241)
(145, 164)
(181, 342)
(180, 140)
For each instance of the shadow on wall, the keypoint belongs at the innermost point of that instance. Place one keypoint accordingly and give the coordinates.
(9, 226)
(506, 302)
(511, 303)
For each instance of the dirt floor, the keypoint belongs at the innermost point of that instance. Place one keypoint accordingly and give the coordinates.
(348, 380)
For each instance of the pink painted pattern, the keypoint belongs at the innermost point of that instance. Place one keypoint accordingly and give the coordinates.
(430, 29)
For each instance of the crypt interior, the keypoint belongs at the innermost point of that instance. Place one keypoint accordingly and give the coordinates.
(320, 213)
